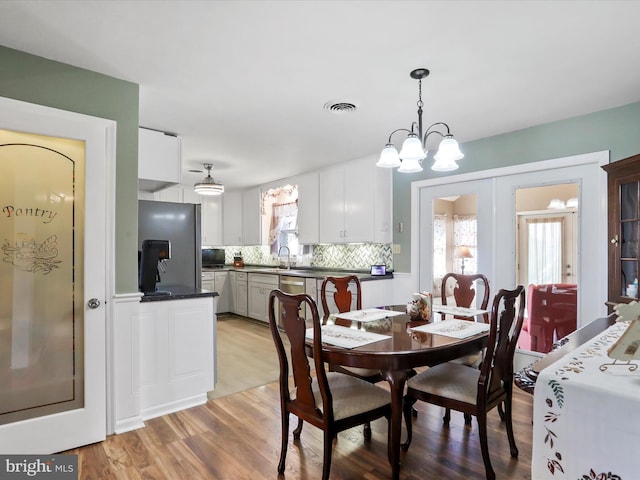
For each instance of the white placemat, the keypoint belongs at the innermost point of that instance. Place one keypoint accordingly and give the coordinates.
(461, 311)
(346, 337)
(367, 315)
(453, 328)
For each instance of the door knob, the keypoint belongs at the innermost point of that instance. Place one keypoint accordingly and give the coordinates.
(615, 240)
(93, 303)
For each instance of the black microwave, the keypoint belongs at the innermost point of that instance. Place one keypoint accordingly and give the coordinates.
(213, 257)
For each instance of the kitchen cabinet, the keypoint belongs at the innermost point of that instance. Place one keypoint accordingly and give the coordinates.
(355, 203)
(623, 193)
(260, 286)
(211, 212)
(218, 282)
(242, 294)
(159, 160)
(308, 208)
(176, 354)
(232, 218)
(251, 216)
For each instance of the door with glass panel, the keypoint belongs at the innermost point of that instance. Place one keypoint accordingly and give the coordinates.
(52, 279)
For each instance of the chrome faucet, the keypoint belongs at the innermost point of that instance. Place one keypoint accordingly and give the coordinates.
(288, 256)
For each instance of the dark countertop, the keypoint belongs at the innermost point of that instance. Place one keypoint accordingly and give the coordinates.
(306, 272)
(178, 292)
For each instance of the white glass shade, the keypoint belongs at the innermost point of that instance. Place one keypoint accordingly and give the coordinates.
(389, 157)
(410, 165)
(556, 203)
(412, 149)
(572, 203)
(448, 153)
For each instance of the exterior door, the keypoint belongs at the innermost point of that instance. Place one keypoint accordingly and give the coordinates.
(53, 264)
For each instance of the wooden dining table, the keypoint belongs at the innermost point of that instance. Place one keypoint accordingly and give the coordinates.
(397, 355)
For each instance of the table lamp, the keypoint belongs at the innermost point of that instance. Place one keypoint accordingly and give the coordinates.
(462, 252)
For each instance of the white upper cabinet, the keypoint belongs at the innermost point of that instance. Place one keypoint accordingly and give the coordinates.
(159, 160)
(211, 212)
(232, 218)
(251, 216)
(308, 205)
(355, 203)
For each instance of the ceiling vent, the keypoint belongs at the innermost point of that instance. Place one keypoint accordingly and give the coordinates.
(340, 106)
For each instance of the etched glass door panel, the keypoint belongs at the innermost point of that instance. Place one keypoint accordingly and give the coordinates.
(41, 275)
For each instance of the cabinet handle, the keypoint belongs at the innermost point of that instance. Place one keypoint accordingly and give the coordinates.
(615, 240)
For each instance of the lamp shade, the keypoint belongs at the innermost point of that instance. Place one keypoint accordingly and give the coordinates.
(462, 251)
(389, 157)
(410, 166)
(412, 149)
(447, 154)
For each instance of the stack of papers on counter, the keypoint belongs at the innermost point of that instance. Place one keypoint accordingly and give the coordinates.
(454, 328)
(346, 337)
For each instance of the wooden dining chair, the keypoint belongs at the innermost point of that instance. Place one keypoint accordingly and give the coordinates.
(464, 292)
(472, 391)
(339, 300)
(331, 401)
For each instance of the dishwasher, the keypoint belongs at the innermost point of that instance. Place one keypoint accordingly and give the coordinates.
(294, 285)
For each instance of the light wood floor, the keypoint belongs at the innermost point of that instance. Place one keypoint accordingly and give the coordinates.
(237, 437)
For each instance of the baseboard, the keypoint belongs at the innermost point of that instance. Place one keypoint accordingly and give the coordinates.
(171, 407)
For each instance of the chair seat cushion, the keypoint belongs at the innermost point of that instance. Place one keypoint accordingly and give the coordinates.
(449, 380)
(351, 396)
(472, 360)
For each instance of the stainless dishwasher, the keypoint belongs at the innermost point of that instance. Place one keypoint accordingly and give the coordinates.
(295, 285)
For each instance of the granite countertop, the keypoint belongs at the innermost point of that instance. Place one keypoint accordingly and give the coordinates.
(306, 272)
(177, 292)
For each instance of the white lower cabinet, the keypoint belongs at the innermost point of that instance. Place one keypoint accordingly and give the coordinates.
(241, 294)
(218, 282)
(177, 354)
(260, 286)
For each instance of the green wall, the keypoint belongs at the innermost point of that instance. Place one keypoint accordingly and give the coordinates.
(41, 81)
(616, 130)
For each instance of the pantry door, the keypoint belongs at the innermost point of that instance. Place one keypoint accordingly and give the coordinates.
(53, 264)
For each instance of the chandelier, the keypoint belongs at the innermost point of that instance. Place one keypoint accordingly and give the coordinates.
(414, 148)
(209, 186)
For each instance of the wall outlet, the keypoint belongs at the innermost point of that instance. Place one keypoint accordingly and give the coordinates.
(396, 249)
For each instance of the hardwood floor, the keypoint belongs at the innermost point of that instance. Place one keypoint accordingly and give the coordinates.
(237, 437)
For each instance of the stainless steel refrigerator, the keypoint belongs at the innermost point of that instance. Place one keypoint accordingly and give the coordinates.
(180, 224)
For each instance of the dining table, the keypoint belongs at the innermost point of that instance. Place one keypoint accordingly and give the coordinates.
(586, 410)
(388, 339)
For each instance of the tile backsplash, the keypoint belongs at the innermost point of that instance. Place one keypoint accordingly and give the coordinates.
(343, 257)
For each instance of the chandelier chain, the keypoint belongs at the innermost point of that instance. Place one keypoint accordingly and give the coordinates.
(420, 103)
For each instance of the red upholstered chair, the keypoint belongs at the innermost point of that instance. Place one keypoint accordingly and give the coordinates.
(551, 309)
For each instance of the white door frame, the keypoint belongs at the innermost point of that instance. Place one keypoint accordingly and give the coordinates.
(592, 231)
(66, 430)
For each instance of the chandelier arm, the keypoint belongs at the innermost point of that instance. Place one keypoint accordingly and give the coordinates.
(430, 131)
(400, 130)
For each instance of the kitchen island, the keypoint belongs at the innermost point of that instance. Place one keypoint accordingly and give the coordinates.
(165, 355)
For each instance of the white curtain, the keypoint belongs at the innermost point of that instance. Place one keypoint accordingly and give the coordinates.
(439, 245)
(465, 233)
(544, 250)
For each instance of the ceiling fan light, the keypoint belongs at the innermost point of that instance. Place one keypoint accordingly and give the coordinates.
(410, 165)
(412, 149)
(389, 157)
(208, 186)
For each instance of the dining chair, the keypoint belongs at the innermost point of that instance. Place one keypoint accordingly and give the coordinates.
(464, 292)
(331, 401)
(340, 299)
(472, 391)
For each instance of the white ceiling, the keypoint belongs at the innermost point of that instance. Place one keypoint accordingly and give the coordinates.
(244, 82)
